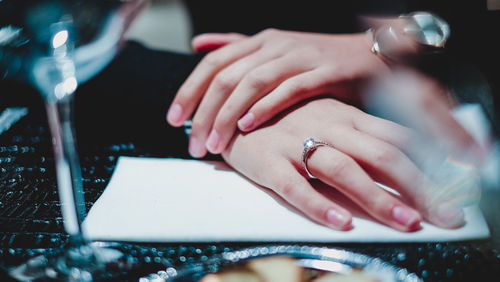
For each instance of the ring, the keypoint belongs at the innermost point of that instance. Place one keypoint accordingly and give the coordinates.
(310, 145)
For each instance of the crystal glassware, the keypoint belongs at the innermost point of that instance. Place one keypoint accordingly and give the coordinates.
(55, 45)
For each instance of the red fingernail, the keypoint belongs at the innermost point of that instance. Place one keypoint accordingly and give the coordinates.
(174, 114)
(406, 216)
(246, 121)
(213, 141)
(338, 219)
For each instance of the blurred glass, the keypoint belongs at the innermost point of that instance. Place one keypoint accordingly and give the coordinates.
(55, 45)
(453, 145)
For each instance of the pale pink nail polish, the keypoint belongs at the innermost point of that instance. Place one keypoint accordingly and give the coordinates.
(213, 141)
(450, 216)
(196, 148)
(405, 216)
(174, 114)
(336, 218)
(246, 121)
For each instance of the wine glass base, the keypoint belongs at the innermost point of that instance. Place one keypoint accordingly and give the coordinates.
(81, 263)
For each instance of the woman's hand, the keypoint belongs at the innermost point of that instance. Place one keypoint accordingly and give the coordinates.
(247, 82)
(366, 149)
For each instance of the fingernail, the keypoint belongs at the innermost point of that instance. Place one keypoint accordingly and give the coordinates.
(196, 149)
(450, 216)
(174, 114)
(213, 141)
(406, 216)
(336, 218)
(246, 121)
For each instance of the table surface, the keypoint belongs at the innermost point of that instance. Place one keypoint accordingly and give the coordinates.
(31, 222)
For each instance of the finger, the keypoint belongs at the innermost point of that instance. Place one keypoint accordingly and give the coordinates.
(288, 93)
(193, 89)
(415, 146)
(253, 86)
(390, 165)
(219, 90)
(298, 192)
(439, 123)
(339, 170)
(279, 174)
(423, 104)
(211, 41)
(385, 130)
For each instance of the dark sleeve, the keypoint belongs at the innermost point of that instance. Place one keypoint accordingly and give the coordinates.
(130, 98)
(250, 17)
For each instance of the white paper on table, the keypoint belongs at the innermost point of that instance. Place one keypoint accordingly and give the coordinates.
(175, 200)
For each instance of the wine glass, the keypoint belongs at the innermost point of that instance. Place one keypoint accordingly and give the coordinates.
(56, 45)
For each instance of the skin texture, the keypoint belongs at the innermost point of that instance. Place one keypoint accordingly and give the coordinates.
(366, 149)
(263, 75)
(245, 81)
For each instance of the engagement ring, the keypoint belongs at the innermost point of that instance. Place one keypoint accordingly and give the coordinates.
(310, 146)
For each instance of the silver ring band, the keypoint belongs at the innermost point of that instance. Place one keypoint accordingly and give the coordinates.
(310, 145)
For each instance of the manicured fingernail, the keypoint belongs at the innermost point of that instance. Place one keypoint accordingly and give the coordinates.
(246, 121)
(336, 218)
(450, 216)
(196, 149)
(406, 216)
(213, 141)
(174, 114)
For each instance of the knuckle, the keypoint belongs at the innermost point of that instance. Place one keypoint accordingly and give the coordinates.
(268, 32)
(198, 124)
(294, 85)
(224, 82)
(234, 34)
(332, 70)
(339, 167)
(352, 110)
(286, 188)
(256, 80)
(212, 59)
(300, 50)
(383, 155)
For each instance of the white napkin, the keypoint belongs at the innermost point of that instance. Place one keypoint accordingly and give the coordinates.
(174, 200)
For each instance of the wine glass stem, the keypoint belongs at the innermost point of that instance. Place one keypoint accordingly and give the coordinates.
(69, 179)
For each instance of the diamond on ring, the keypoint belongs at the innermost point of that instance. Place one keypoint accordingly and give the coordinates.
(310, 146)
(309, 143)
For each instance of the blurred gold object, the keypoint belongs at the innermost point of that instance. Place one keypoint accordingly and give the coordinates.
(283, 269)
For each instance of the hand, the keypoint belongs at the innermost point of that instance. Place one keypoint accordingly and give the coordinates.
(263, 75)
(367, 149)
(417, 101)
